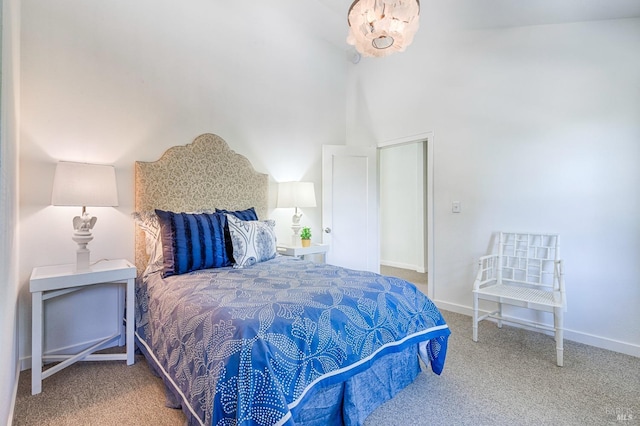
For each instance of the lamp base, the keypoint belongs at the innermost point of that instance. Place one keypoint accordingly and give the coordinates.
(295, 238)
(295, 227)
(82, 259)
(82, 254)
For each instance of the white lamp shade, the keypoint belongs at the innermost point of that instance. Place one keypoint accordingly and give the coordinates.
(82, 184)
(296, 194)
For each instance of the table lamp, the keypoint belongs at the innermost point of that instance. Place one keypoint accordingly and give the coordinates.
(82, 185)
(296, 195)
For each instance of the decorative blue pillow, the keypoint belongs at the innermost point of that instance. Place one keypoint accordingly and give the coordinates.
(192, 241)
(248, 214)
(253, 241)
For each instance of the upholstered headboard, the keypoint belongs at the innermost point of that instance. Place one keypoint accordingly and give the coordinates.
(204, 174)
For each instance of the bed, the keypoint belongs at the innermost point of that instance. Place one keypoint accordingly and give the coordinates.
(243, 336)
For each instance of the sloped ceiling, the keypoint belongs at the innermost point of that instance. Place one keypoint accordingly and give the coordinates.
(482, 14)
(517, 13)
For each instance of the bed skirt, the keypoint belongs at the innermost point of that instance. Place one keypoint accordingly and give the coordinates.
(346, 403)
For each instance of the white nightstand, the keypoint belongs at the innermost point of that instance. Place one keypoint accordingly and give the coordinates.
(304, 251)
(52, 281)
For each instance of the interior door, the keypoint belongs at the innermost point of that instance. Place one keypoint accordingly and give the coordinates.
(350, 206)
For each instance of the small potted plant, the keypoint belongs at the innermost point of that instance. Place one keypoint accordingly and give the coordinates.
(305, 236)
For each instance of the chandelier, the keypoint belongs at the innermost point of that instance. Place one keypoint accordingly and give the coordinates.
(381, 27)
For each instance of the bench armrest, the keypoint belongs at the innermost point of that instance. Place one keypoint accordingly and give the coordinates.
(487, 271)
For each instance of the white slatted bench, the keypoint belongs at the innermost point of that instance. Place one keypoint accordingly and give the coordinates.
(526, 272)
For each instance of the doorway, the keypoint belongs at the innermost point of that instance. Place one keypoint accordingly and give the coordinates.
(406, 230)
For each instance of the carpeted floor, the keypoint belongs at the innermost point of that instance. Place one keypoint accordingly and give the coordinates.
(508, 378)
(96, 393)
(418, 278)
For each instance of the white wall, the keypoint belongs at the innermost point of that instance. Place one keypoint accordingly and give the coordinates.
(535, 129)
(119, 81)
(402, 230)
(9, 122)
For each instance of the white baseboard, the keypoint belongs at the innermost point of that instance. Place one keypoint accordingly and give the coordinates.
(573, 335)
(452, 307)
(401, 265)
(14, 395)
(603, 342)
(16, 375)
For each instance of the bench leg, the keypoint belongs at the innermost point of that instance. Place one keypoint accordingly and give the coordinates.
(558, 324)
(499, 314)
(475, 317)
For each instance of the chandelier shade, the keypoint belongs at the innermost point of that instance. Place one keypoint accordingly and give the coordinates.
(381, 27)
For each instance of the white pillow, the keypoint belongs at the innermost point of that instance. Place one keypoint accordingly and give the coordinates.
(148, 222)
(253, 241)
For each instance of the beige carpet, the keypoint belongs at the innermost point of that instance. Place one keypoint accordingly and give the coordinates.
(419, 279)
(508, 378)
(96, 393)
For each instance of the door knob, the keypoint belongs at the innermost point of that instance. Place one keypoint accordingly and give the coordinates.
(327, 230)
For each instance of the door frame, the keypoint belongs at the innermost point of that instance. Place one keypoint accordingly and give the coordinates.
(427, 138)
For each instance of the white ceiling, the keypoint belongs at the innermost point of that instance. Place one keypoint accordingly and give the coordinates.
(477, 14)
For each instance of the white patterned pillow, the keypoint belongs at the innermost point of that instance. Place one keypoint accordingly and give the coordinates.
(253, 241)
(148, 222)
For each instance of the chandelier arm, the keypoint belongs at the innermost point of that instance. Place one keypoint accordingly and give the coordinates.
(350, 9)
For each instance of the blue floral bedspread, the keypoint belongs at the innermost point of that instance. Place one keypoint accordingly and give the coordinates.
(244, 346)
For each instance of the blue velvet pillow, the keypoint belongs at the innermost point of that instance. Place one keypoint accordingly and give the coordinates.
(247, 214)
(192, 241)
